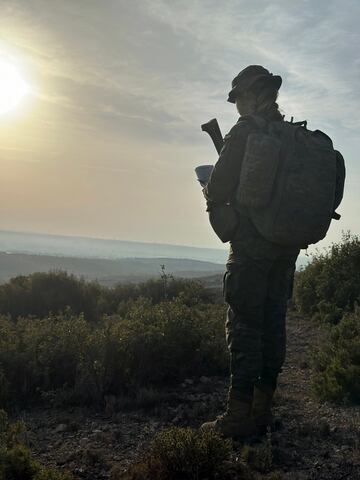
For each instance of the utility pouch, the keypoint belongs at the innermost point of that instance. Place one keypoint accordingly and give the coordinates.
(258, 170)
(223, 220)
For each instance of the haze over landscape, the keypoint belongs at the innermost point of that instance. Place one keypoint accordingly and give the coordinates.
(105, 143)
(129, 348)
(109, 261)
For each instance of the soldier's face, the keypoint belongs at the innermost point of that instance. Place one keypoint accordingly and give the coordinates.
(245, 103)
(238, 104)
(241, 105)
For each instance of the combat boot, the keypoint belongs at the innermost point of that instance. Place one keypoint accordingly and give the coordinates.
(261, 411)
(236, 422)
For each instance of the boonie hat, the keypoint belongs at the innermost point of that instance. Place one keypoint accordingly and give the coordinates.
(247, 77)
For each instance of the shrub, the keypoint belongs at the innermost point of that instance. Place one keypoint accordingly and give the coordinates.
(182, 453)
(169, 341)
(330, 284)
(191, 291)
(336, 363)
(150, 346)
(16, 462)
(40, 294)
(40, 354)
(155, 345)
(259, 457)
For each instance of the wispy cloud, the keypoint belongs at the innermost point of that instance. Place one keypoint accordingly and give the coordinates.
(141, 76)
(312, 45)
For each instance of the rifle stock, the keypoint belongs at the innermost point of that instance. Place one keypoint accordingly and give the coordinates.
(213, 129)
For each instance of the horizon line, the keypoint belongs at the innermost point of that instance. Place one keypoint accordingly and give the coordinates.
(111, 239)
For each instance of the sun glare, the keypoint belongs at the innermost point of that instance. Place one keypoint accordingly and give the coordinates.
(13, 87)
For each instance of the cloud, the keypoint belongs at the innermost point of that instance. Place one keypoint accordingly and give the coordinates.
(132, 77)
(312, 45)
(172, 62)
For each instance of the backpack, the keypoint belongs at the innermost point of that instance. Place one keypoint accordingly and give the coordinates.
(291, 182)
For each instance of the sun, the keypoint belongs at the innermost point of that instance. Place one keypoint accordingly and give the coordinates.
(13, 88)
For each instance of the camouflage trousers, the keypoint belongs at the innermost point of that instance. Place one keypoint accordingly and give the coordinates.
(257, 291)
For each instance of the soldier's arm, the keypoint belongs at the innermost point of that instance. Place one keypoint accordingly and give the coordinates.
(225, 175)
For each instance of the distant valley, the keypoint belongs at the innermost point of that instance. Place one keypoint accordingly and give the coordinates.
(108, 261)
(107, 272)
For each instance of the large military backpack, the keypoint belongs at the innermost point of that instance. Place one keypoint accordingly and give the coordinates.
(291, 182)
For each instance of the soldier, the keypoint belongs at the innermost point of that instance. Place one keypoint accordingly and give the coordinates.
(259, 274)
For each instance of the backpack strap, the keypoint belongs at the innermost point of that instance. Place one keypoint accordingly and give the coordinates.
(302, 123)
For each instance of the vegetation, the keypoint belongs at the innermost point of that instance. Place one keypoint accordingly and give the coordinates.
(336, 364)
(75, 341)
(330, 285)
(182, 453)
(39, 294)
(328, 289)
(16, 462)
(147, 345)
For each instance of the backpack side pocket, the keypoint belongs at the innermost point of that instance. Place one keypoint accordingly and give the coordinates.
(258, 170)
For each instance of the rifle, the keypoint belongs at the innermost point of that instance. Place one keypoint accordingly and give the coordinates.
(213, 129)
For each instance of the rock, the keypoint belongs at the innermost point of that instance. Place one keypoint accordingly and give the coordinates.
(99, 435)
(204, 379)
(79, 471)
(62, 427)
(83, 441)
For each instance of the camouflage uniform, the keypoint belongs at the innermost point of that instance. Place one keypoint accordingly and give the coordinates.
(257, 282)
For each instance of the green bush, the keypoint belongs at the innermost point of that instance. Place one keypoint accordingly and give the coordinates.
(336, 363)
(191, 292)
(40, 354)
(330, 284)
(150, 346)
(182, 453)
(39, 294)
(16, 462)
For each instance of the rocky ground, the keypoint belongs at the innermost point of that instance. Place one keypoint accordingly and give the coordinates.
(315, 441)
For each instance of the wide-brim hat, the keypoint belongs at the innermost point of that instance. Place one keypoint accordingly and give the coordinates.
(248, 77)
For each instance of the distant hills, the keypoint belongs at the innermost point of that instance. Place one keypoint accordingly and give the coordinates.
(107, 272)
(85, 247)
(108, 261)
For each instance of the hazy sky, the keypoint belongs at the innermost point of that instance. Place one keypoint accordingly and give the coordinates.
(107, 142)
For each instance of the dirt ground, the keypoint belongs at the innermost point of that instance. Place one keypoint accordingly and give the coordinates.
(314, 441)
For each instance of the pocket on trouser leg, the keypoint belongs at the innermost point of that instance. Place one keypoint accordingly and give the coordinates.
(232, 287)
(281, 280)
(245, 287)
